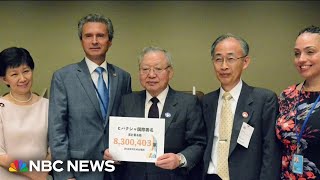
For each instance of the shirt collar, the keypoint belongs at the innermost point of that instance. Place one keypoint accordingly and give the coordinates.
(235, 91)
(92, 66)
(162, 96)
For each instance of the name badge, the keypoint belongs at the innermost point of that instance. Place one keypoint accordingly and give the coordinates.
(245, 135)
(297, 164)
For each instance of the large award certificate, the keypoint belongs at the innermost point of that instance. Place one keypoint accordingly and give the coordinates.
(136, 139)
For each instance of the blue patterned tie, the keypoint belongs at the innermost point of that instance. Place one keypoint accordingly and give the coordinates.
(103, 92)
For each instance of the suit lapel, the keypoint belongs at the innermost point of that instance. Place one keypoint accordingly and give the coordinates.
(210, 113)
(84, 77)
(243, 106)
(169, 108)
(113, 82)
(140, 104)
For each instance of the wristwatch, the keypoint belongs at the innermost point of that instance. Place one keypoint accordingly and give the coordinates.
(182, 160)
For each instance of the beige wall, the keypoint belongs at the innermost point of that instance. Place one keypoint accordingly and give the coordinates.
(185, 28)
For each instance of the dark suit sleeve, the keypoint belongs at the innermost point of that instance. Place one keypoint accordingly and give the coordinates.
(129, 90)
(58, 114)
(121, 107)
(271, 160)
(195, 134)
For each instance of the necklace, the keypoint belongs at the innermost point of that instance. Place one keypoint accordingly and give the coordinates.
(20, 100)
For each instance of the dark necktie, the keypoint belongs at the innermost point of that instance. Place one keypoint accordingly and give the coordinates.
(103, 93)
(154, 111)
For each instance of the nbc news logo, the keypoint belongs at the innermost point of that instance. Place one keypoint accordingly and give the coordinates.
(47, 166)
(18, 166)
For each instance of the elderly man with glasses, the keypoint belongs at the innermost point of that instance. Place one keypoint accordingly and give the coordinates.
(184, 133)
(240, 119)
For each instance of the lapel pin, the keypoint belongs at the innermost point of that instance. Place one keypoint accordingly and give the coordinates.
(114, 74)
(245, 114)
(167, 114)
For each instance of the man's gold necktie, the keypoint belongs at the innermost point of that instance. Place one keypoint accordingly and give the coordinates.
(225, 130)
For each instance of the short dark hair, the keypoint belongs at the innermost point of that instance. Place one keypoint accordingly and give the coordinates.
(13, 57)
(95, 18)
(310, 29)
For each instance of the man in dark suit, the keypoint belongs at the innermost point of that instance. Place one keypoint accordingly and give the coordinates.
(249, 155)
(78, 110)
(184, 128)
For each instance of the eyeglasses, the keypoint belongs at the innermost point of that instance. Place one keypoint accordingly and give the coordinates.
(229, 59)
(156, 70)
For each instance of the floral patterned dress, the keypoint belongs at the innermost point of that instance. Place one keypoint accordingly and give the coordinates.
(292, 112)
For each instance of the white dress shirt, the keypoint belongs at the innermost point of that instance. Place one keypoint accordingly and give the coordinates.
(235, 93)
(95, 75)
(161, 97)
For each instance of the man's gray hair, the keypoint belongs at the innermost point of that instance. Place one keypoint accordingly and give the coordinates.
(243, 43)
(95, 18)
(155, 49)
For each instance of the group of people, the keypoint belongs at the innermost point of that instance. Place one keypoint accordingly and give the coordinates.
(237, 132)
